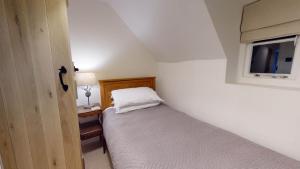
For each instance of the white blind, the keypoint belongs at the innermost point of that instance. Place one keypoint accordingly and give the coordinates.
(270, 19)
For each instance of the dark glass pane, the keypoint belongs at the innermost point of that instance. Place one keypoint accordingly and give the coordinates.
(274, 58)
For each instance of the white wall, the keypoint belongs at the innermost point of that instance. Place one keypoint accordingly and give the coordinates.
(102, 43)
(267, 116)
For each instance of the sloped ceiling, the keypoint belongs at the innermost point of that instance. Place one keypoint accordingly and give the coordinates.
(226, 16)
(102, 43)
(173, 30)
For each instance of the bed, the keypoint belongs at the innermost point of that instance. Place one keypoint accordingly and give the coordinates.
(163, 138)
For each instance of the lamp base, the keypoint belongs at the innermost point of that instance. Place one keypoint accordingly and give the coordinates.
(88, 106)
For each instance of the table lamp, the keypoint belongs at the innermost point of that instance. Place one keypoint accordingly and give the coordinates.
(85, 81)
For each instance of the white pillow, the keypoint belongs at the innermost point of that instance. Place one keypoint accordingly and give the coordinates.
(131, 108)
(134, 97)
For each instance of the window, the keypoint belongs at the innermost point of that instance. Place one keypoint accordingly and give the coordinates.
(274, 62)
(272, 57)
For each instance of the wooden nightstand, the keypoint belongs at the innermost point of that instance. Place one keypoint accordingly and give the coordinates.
(92, 128)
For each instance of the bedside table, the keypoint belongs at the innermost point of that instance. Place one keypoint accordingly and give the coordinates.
(92, 128)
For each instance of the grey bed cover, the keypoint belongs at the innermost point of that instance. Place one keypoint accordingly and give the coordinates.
(162, 138)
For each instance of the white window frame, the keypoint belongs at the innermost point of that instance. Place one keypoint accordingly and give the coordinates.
(248, 59)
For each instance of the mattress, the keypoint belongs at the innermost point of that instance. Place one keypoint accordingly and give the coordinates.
(162, 138)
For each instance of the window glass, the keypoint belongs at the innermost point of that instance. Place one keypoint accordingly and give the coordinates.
(275, 58)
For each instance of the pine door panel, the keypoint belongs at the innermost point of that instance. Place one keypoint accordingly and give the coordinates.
(39, 127)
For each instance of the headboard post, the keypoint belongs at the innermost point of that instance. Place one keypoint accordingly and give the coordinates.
(106, 86)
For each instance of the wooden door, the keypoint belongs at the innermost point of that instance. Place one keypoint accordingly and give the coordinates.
(38, 120)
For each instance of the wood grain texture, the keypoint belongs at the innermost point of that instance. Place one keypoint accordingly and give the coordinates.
(106, 86)
(88, 113)
(32, 133)
(46, 86)
(11, 89)
(6, 147)
(25, 46)
(61, 56)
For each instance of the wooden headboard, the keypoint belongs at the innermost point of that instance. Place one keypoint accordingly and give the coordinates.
(106, 86)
